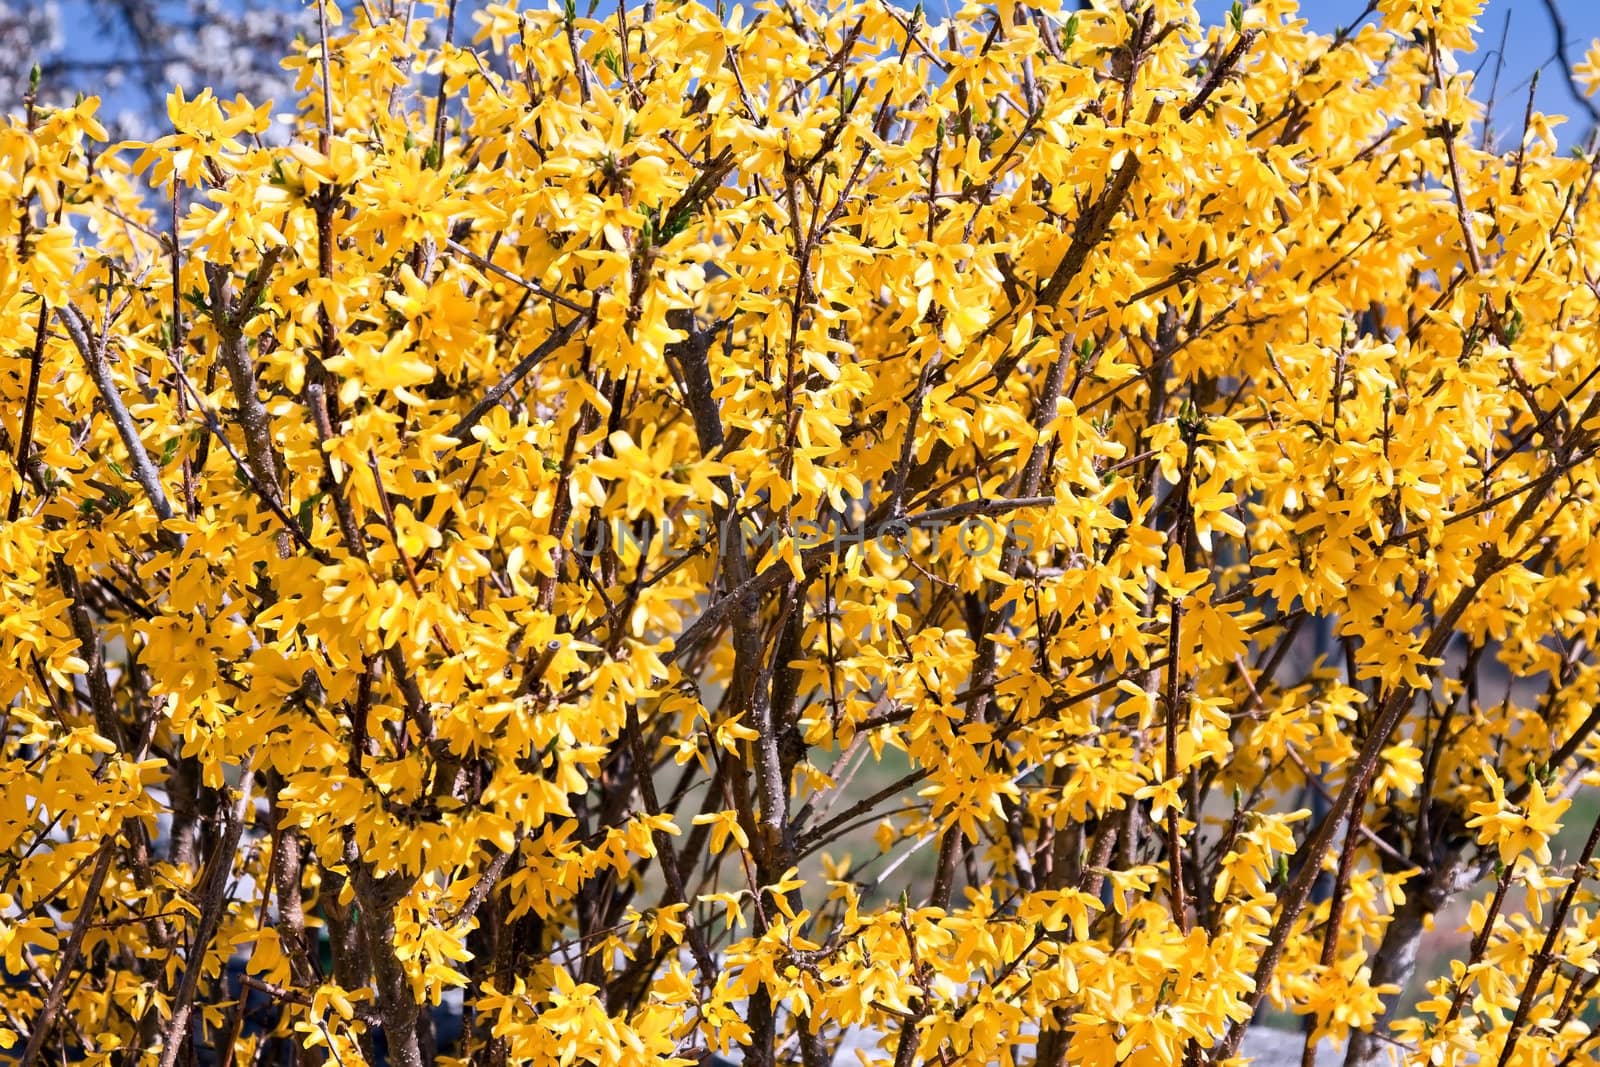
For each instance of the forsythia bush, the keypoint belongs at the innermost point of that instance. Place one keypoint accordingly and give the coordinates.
(554, 541)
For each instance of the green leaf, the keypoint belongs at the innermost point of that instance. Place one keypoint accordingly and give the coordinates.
(303, 515)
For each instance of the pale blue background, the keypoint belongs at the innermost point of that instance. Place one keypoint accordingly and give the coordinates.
(1529, 46)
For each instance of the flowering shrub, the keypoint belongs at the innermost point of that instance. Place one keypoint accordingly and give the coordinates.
(511, 542)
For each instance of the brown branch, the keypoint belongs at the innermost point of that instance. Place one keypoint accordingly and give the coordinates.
(213, 898)
(93, 351)
(1362, 770)
(462, 431)
(671, 865)
(1219, 73)
(234, 352)
(267, 496)
(29, 406)
(532, 287)
(45, 1020)
(1546, 955)
(812, 560)
(1558, 26)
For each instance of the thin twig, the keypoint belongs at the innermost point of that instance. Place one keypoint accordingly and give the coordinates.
(1558, 26)
(462, 431)
(93, 351)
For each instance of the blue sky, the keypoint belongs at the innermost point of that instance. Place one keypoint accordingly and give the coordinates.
(1530, 45)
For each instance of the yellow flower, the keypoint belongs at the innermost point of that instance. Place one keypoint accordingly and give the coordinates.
(1515, 830)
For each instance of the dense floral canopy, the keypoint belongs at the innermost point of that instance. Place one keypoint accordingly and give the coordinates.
(1035, 534)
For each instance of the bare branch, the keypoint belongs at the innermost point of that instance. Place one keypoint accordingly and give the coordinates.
(93, 350)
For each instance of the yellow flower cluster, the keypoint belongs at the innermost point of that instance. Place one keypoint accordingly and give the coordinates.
(1129, 483)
